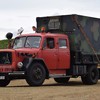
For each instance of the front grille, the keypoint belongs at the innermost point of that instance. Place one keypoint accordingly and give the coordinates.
(5, 57)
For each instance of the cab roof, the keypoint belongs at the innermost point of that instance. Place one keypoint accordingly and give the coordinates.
(43, 35)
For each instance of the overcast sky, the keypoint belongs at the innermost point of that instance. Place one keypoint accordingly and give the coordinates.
(22, 13)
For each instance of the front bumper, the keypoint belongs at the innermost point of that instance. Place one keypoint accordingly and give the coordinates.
(12, 75)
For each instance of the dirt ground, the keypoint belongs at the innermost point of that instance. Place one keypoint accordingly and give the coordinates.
(50, 90)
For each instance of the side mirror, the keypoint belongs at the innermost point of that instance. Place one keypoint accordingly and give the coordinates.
(9, 35)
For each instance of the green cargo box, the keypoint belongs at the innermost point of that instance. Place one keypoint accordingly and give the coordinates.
(83, 31)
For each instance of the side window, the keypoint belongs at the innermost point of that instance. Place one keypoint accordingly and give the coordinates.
(62, 43)
(49, 43)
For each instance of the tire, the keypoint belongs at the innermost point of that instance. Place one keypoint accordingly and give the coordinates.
(62, 80)
(4, 83)
(35, 75)
(92, 76)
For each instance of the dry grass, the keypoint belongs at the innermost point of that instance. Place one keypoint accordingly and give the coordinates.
(74, 90)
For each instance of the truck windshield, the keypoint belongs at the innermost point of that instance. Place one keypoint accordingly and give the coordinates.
(19, 42)
(33, 42)
(29, 42)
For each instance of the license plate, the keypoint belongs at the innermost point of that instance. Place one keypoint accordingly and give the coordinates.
(2, 77)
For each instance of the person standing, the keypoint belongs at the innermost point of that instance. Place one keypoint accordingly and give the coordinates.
(34, 29)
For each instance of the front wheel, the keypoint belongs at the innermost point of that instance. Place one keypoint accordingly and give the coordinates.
(4, 83)
(35, 74)
(92, 75)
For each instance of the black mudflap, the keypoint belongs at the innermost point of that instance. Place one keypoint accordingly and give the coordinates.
(99, 72)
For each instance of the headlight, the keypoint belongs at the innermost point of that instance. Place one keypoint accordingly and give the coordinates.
(20, 64)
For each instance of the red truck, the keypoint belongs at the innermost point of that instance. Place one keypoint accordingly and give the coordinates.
(65, 48)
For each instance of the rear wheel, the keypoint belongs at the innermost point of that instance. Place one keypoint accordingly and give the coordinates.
(92, 75)
(36, 75)
(62, 80)
(4, 83)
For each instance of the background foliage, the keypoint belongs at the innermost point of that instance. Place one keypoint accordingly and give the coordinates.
(3, 44)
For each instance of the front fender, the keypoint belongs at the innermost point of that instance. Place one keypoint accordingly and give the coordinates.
(29, 61)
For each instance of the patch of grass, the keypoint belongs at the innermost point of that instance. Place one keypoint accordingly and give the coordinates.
(3, 44)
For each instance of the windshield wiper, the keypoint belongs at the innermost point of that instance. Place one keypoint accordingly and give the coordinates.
(28, 44)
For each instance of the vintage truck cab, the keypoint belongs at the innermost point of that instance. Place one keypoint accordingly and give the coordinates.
(35, 57)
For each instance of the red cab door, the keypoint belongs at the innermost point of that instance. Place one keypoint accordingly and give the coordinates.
(50, 53)
(64, 54)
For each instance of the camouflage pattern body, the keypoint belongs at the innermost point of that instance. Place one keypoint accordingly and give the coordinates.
(66, 25)
(91, 27)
